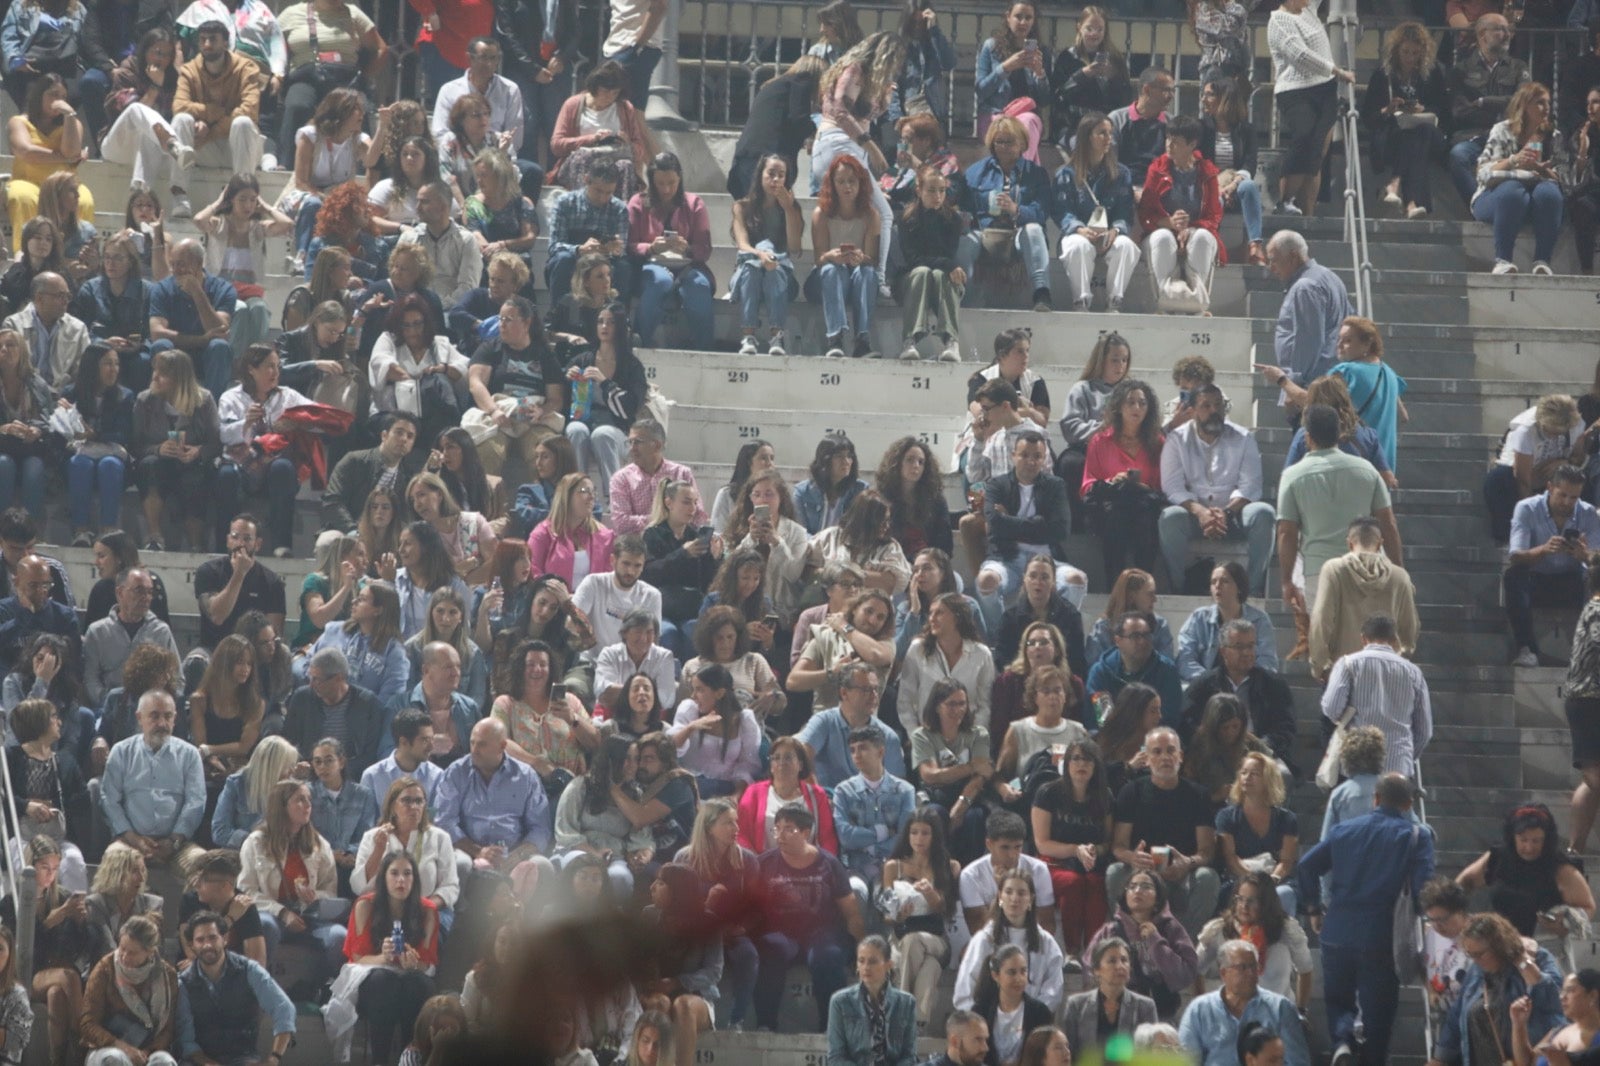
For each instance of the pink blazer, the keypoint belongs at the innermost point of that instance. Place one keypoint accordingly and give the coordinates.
(552, 554)
(753, 817)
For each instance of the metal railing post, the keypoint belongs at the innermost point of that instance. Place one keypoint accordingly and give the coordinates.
(661, 111)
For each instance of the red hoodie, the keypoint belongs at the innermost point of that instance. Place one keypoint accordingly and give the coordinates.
(1158, 182)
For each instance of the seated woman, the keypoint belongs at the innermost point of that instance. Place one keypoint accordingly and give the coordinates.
(608, 388)
(410, 351)
(950, 757)
(1005, 193)
(132, 1000)
(62, 946)
(1057, 706)
(341, 810)
(1404, 110)
(767, 228)
(792, 784)
(373, 642)
(669, 233)
(861, 631)
(549, 731)
(236, 226)
(718, 740)
(1529, 875)
(1219, 747)
(933, 284)
(46, 137)
(1012, 920)
(458, 461)
(663, 801)
(226, 709)
(117, 896)
(636, 710)
(1163, 956)
(1256, 833)
(923, 143)
(465, 135)
(681, 560)
(948, 648)
(49, 789)
(41, 251)
(243, 803)
(1092, 1016)
(1094, 208)
(148, 667)
(114, 305)
(863, 538)
(401, 979)
(1180, 210)
(1517, 179)
(1577, 1040)
(251, 409)
(570, 544)
(1041, 602)
(553, 459)
(468, 537)
(723, 639)
(407, 272)
(764, 527)
(1071, 821)
(289, 871)
(345, 221)
(498, 216)
(1255, 914)
(1013, 73)
(114, 552)
(1121, 487)
(326, 151)
(405, 827)
(139, 223)
(1090, 76)
(589, 822)
(573, 322)
(909, 477)
(332, 279)
(931, 577)
(98, 465)
(26, 402)
(394, 198)
(1201, 635)
(441, 1023)
(273, 668)
(600, 123)
(446, 624)
(1041, 645)
(854, 1033)
(341, 562)
(80, 240)
(1002, 1000)
(1228, 142)
(844, 240)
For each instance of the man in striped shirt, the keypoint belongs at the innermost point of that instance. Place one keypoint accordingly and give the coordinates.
(1386, 691)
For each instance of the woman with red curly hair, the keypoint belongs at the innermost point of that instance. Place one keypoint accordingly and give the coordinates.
(844, 238)
(345, 221)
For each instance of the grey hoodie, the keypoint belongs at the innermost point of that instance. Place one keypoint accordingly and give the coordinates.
(1350, 589)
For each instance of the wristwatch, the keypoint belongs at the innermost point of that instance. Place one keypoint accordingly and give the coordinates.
(849, 628)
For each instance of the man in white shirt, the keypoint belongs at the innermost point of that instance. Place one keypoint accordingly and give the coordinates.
(1211, 471)
(505, 108)
(636, 653)
(607, 598)
(1003, 835)
(457, 260)
(638, 32)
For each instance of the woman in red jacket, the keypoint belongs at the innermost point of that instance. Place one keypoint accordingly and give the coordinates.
(1180, 210)
(1122, 476)
(791, 785)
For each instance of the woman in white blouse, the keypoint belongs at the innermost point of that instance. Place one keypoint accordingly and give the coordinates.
(404, 825)
(763, 519)
(949, 647)
(407, 353)
(254, 407)
(1305, 85)
(288, 870)
(235, 227)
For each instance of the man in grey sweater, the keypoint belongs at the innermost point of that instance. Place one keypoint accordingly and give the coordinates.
(111, 640)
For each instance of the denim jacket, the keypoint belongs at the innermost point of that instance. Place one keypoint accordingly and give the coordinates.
(858, 811)
(850, 1033)
(344, 819)
(1201, 637)
(1031, 191)
(1074, 205)
(1453, 1045)
(813, 508)
(233, 820)
(993, 81)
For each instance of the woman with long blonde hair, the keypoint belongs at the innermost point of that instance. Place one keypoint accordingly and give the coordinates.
(243, 802)
(571, 528)
(329, 590)
(1517, 179)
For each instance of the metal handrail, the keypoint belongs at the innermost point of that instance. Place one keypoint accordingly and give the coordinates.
(1355, 203)
(1422, 926)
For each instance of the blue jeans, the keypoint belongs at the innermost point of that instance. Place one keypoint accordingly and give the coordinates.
(305, 220)
(742, 961)
(1463, 168)
(1353, 978)
(640, 63)
(213, 366)
(1030, 242)
(30, 473)
(249, 324)
(1257, 524)
(1249, 199)
(94, 85)
(83, 475)
(281, 483)
(436, 70)
(753, 287)
(694, 288)
(844, 289)
(1507, 204)
(330, 938)
(825, 956)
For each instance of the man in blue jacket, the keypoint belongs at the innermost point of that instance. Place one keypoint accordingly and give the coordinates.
(1135, 659)
(29, 610)
(1368, 860)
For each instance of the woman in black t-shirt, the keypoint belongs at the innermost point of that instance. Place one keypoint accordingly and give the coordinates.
(1072, 832)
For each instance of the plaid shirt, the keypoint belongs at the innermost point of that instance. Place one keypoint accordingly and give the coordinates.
(574, 219)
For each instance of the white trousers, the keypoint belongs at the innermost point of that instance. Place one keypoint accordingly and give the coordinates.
(1162, 248)
(132, 141)
(242, 151)
(1078, 255)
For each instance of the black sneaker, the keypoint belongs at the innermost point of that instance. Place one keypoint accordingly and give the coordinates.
(863, 347)
(154, 546)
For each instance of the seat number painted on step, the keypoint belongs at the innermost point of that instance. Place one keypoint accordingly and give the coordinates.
(738, 377)
(928, 438)
(705, 1055)
(828, 379)
(749, 432)
(1199, 338)
(921, 383)
(650, 373)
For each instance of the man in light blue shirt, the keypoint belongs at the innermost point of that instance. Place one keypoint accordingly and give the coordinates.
(870, 808)
(826, 734)
(153, 790)
(1545, 566)
(1315, 304)
(412, 735)
(1211, 1024)
(227, 995)
(493, 806)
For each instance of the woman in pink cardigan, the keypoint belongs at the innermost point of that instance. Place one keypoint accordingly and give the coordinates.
(791, 781)
(569, 543)
(669, 236)
(600, 123)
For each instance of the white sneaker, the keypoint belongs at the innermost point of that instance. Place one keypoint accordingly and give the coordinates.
(909, 353)
(1114, 307)
(181, 153)
(884, 294)
(1526, 657)
(1289, 207)
(270, 162)
(775, 345)
(1416, 211)
(748, 346)
(1391, 197)
(1541, 268)
(1080, 305)
(180, 207)
(951, 353)
(297, 264)
(1504, 266)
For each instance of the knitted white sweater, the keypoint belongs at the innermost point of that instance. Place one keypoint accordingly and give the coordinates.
(1301, 54)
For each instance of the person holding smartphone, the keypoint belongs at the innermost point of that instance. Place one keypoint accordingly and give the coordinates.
(845, 237)
(681, 559)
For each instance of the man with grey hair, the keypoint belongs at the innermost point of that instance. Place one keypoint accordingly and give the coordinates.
(1315, 304)
(1241, 670)
(328, 705)
(633, 488)
(153, 790)
(55, 341)
(1211, 1024)
(636, 653)
(1163, 824)
(109, 642)
(826, 734)
(436, 695)
(192, 310)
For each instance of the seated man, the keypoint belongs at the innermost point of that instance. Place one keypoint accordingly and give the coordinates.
(437, 692)
(29, 610)
(826, 734)
(519, 384)
(1211, 472)
(153, 791)
(1134, 658)
(53, 339)
(109, 641)
(869, 809)
(328, 705)
(606, 598)
(227, 995)
(633, 488)
(19, 536)
(190, 310)
(805, 911)
(1266, 696)
(1025, 514)
(227, 588)
(1140, 129)
(966, 1040)
(1545, 436)
(1211, 1023)
(1550, 538)
(1164, 823)
(1482, 83)
(457, 259)
(636, 653)
(216, 112)
(494, 808)
(1353, 588)
(1003, 835)
(584, 221)
(411, 732)
(216, 889)
(391, 465)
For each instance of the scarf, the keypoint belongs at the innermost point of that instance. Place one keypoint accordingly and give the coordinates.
(144, 991)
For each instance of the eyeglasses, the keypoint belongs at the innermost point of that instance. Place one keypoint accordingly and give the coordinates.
(1038, 642)
(1080, 756)
(1239, 647)
(1138, 634)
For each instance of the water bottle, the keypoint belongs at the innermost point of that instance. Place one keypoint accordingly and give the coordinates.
(397, 939)
(498, 612)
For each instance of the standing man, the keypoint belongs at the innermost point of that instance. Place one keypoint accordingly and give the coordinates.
(1387, 692)
(1551, 536)
(638, 31)
(1356, 586)
(218, 103)
(1367, 859)
(1315, 304)
(507, 124)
